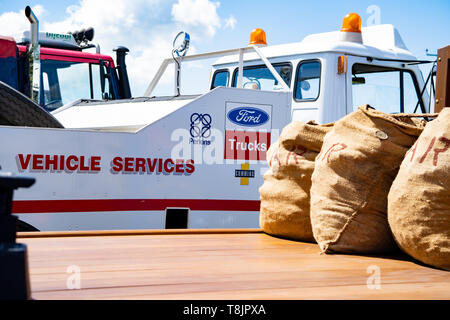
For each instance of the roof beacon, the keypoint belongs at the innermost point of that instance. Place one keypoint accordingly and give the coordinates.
(258, 38)
(351, 28)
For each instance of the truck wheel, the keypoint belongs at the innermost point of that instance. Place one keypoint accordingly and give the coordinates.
(18, 110)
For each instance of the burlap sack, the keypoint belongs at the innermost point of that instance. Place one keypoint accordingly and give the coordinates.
(285, 192)
(419, 200)
(359, 160)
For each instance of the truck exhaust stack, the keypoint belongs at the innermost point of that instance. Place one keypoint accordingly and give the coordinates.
(124, 83)
(34, 55)
(34, 31)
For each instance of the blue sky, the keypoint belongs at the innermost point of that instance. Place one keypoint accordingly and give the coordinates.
(147, 27)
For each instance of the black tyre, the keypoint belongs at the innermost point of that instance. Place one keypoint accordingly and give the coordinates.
(18, 110)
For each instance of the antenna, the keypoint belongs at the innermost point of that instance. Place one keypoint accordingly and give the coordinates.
(430, 54)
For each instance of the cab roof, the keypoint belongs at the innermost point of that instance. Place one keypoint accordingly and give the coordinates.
(380, 41)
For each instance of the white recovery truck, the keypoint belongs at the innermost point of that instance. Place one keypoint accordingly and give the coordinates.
(198, 161)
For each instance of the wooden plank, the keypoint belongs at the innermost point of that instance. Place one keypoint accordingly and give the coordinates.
(443, 79)
(96, 233)
(219, 266)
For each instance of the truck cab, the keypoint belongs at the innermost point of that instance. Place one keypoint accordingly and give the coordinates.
(53, 69)
(68, 75)
(331, 74)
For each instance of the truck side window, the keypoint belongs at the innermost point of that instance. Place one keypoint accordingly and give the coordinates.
(220, 79)
(386, 89)
(307, 85)
(96, 91)
(52, 99)
(260, 77)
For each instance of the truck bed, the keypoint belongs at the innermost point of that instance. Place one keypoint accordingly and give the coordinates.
(215, 264)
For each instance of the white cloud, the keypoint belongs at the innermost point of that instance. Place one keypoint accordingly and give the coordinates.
(146, 27)
(230, 22)
(14, 23)
(197, 13)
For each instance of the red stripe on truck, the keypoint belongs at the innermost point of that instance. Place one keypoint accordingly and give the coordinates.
(103, 205)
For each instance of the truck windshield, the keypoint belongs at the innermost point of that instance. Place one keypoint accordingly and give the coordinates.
(260, 77)
(66, 81)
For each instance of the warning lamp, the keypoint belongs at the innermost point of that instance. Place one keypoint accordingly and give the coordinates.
(351, 28)
(258, 37)
(342, 64)
(351, 23)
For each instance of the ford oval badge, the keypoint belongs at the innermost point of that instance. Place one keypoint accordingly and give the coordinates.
(248, 116)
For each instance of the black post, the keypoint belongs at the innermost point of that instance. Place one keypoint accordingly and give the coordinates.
(14, 278)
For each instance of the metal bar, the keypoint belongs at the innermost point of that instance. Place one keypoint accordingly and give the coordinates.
(194, 57)
(402, 92)
(90, 81)
(214, 54)
(423, 91)
(157, 77)
(221, 53)
(177, 69)
(240, 68)
(271, 68)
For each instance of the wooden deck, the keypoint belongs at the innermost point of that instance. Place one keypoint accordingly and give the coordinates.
(215, 264)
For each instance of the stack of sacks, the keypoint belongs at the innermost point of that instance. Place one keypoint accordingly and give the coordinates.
(285, 199)
(353, 173)
(419, 200)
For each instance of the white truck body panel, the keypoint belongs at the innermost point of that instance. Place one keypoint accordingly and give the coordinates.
(117, 114)
(71, 198)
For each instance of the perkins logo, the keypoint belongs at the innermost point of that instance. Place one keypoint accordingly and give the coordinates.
(248, 116)
(200, 128)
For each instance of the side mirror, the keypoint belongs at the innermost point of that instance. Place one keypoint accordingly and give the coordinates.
(181, 43)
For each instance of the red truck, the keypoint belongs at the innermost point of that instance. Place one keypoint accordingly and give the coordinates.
(53, 70)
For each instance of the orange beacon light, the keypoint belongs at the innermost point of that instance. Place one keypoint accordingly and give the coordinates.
(258, 36)
(351, 23)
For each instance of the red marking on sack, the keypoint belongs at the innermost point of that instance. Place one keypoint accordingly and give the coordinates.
(302, 150)
(275, 154)
(331, 150)
(437, 151)
(428, 150)
(413, 150)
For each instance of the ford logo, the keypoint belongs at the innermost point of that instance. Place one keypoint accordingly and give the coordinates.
(248, 116)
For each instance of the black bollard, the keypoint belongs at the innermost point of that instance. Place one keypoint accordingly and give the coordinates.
(14, 278)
